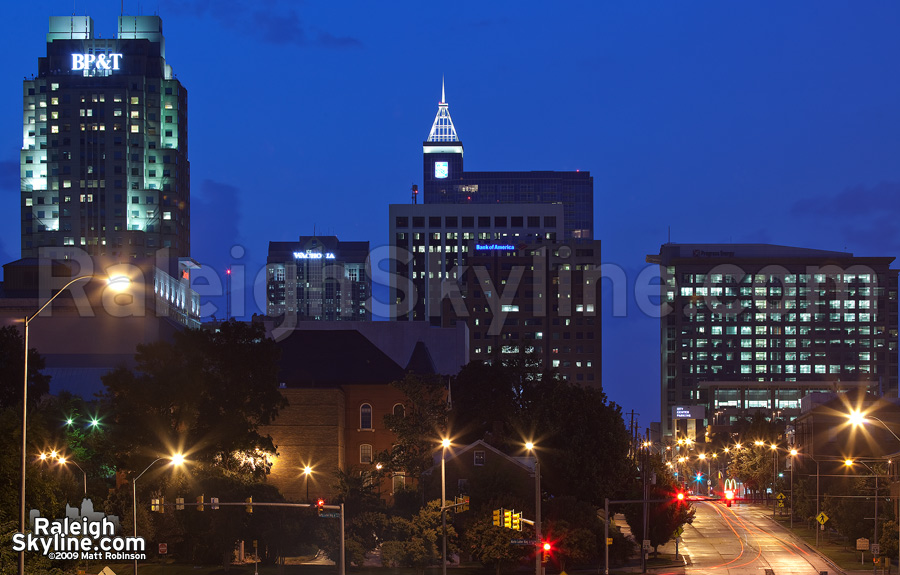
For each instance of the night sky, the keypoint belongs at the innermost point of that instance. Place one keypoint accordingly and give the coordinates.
(757, 122)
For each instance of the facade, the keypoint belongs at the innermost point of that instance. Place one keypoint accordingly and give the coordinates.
(777, 315)
(104, 159)
(338, 384)
(445, 181)
(90, 329)
(540, 301)
(432, 244)
(318, 278)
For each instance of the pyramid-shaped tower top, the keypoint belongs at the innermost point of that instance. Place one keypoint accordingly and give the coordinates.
(442, 130)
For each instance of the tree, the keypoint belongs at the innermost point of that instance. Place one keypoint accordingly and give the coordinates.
(419, 540)
(490, 545)
(12, 346)
(421, 426)
(205, 393)
(663, 518)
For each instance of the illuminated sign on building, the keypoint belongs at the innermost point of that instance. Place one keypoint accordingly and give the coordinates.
(441, 170)
(688, 412)
(495, 247)
(95, 61)
(313, 256)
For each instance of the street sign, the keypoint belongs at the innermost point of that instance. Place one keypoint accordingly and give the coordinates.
(609, 540)
(876, 549)
(780, 497)
(330, 515)
(780, 503)
(646, 545)
(163, 549)
(679, 531)
(862, 544)
(523, 542)
(821, 518)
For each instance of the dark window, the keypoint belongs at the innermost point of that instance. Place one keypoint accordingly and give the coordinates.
(484, 221)
(450, 222)
(365, 416)
(402, 221)
(534, 221)
(499, 221)
(549, 221)
(418, 221)
(468, 222)
(516, 222)
(434, 221)
(479, 458)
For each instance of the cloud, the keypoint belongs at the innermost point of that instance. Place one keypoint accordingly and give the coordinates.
(866, 218)
(265, 21)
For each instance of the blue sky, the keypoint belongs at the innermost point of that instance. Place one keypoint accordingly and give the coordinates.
(726, 121)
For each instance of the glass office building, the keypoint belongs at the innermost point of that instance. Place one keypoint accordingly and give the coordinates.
(104, 160)
(794, 320)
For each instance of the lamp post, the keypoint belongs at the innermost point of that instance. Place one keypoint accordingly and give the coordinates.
(445, 443)
(774, 476)
(62, 461)
(177, 460)
(306, 471)
(857, 418)
(118, 281)
(537, 507)
(849, 463)
(793, 453)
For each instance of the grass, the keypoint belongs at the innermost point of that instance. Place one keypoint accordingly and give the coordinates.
(840, 552)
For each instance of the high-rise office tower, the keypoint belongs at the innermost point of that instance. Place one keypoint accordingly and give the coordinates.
(754, 328)
(104, 161)
(446, 182)
(318, 278)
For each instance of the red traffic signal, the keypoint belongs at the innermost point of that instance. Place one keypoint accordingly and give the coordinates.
(320, 505)
(680, 496)
(547, 547)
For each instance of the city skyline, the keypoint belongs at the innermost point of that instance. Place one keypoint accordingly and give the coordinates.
(720, 124)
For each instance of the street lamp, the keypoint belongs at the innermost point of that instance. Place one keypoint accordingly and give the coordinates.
(537, 506)
(62, 461)
(849, 463)
(119, 282)
(445, 443)
(793, 453)
(307, 470)
(774, 475)
(176, 461)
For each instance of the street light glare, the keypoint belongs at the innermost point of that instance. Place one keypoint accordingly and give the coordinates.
(178, 459)
(793, 452)
(307, 470)
(118, 283)
(529, 446)
(856, 418)
(445, 443)
(848, 462)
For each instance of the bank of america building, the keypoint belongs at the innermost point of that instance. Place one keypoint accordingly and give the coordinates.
(754, 328)
(104, 164)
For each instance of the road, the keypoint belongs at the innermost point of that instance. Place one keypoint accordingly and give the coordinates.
(743, 540)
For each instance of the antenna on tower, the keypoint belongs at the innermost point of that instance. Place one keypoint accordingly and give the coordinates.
(415, 194)
(443, 97)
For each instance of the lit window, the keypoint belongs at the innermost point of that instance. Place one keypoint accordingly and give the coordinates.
(365, 453)
(479, 458)
(135, 100)
(135, 128)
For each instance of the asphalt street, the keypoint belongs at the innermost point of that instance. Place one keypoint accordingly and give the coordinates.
(743, 540)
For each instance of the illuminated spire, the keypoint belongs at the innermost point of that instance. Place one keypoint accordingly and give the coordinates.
(442, 130)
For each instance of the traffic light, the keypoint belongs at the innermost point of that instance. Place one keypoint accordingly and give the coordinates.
(517, 521)
(157, 505)
(507, 518)
(200, 500)
(545, 553)
(320, 506)
(679, 497)
(498, 517)
(179, 503)
(249, 502)
(729, 497)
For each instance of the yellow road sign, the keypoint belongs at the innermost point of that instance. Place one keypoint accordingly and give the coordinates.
(781, 504)
(780, 497)
(821, 518)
